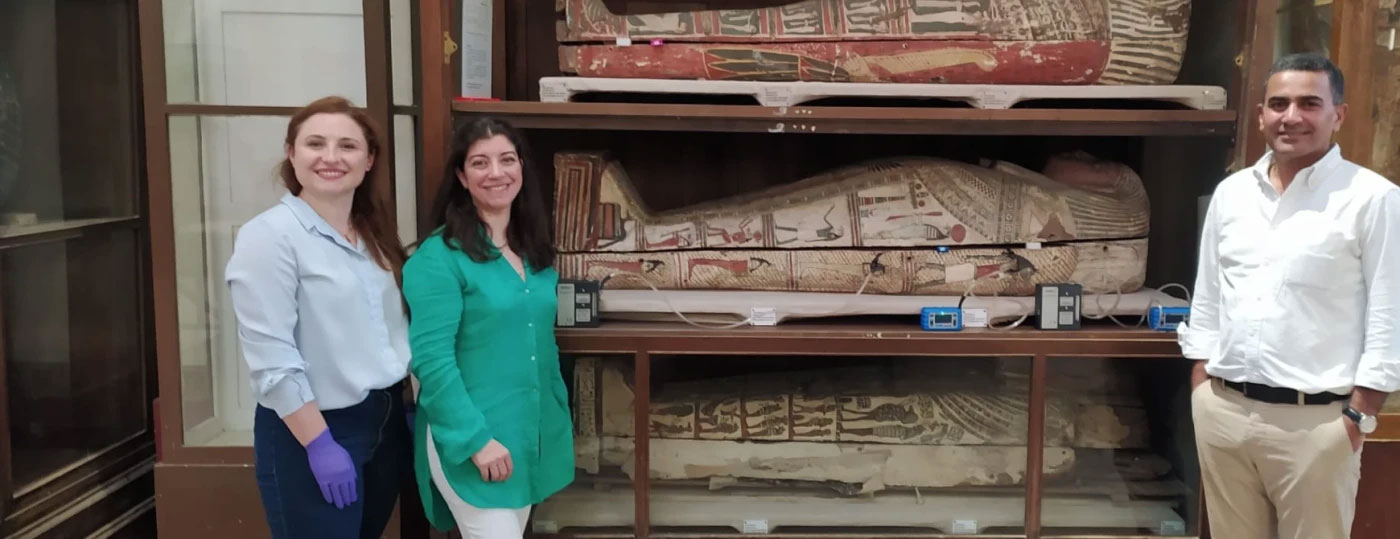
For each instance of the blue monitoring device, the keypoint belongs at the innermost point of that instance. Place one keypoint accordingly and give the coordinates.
(1167, 318)
(941, 318)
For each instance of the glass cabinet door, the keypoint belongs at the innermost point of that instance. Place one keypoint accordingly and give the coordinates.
(235, 71)
(73, 357)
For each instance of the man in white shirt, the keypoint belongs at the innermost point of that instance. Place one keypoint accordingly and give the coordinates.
(1296, 301)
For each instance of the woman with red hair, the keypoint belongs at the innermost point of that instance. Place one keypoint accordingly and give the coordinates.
(321, 325)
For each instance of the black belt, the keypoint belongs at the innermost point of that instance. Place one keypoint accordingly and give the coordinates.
(1280, 395)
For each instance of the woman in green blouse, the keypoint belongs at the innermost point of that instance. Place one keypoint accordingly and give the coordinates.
(492, 430)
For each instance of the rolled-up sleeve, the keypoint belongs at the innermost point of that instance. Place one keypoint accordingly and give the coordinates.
(434, 296)
(1379, 367)
(262, 280)
(1198, 336)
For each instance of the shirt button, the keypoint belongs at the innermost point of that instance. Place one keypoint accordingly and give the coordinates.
(532, 358)
(531, 324)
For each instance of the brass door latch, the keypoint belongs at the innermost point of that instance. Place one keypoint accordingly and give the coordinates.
(448, 47)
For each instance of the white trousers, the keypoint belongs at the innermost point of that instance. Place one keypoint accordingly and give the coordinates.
(473, 522)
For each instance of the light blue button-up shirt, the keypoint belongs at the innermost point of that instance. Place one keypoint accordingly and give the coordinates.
(318, 319)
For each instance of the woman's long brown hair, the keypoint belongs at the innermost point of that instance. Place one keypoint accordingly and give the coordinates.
(454, 210)
(368, 214)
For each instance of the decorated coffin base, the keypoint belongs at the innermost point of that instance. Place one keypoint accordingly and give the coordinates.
(977, 404)
(910, 443)
(1102, 267)
(725, 307)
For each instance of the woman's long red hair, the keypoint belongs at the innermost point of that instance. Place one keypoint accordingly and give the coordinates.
(368, 214)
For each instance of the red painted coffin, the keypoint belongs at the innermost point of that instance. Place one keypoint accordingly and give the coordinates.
(948, 41)
(964, 62)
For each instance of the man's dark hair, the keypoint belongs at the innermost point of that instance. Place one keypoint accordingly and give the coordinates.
(1317, 63)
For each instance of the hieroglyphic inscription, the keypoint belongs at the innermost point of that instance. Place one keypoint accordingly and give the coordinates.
(767, 418)
(873, 405)
(718, 419)
(813, 419)
(586, 393)
(664, 24)
(1052, 20)
(868, 16)
(803, 18)
(946, 16)
(739, 22)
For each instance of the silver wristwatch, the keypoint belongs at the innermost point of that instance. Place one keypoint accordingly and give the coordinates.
(1366, 423)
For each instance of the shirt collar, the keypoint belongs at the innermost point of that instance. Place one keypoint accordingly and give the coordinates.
(1310, 176)
(311, 220)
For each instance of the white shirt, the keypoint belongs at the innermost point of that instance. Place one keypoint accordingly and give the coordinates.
(1300, 290)
(318, 319)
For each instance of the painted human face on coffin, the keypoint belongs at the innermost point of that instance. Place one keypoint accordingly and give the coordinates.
(491, 173)
(330, 156)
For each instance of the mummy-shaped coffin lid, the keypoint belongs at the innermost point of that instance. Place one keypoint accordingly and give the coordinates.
(875, 226)
(891, 202)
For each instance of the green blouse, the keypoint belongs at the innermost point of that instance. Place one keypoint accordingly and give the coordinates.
(487, 367)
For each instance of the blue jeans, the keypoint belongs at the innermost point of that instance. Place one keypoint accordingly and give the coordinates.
(374, 434)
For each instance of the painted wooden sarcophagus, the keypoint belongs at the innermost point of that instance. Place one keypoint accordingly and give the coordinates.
(902, 225)
(1071, 42)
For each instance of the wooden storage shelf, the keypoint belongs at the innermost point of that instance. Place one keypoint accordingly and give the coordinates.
(845, 338)
(854, 120)
(29, 234)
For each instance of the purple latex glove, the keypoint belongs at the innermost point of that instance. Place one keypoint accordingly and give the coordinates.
(333, 469)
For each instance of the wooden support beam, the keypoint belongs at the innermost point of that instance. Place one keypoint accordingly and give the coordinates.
(641, 376)
(1353, 50)
(435, 125)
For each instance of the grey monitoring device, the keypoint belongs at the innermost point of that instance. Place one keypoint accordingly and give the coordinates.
(578, 303)
(1057, 305)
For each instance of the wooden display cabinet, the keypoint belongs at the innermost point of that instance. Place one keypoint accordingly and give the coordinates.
(1024, 506)
(695, 149)
(1180, 154)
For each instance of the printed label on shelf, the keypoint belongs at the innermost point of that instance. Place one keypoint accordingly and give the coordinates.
(974, 318)
(763, 316)
(755, 525)
(964, 526)
(553, 93)
(546, 526)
